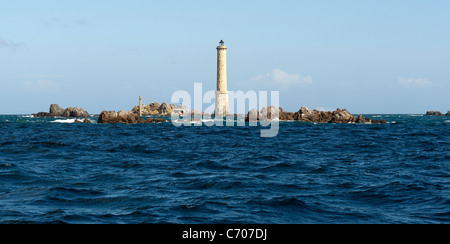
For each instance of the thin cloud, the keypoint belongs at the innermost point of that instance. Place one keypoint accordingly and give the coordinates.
(42, 86)
(81, 22)
(42, 83)
(61, 23)
(10, 45)
(279, 76)
(413, 82)
(43, 76)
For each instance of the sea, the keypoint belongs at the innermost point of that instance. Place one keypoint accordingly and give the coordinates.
(53, 170)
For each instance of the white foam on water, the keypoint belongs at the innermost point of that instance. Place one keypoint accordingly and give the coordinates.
(64, 121)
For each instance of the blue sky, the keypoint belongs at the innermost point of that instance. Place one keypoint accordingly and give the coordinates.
(366, 56)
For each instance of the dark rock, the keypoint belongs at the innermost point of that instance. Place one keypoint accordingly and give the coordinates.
(448, 113)
(342, 116)
(337, 116)
(269, 113)
(165, 109)
(285, 115)
(154, 106)
(252, 116)
(125, 117)
(375, 121)
(79, 113)
(306, 115)
(56, 111)
(155, 109)
(362, 120)
(433, 113)
(67, 112)
(302, 114)
(155, 120)
(42, 115)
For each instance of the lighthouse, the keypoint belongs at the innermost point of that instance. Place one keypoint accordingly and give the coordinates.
(140, 106)
(221, 108)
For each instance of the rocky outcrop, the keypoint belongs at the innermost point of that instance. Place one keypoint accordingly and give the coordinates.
(337, 116)
(342, 116)
(268, 114)
(285, 115)
(165, 109)
(125, 117)
(155, 120)
(155, 109)
(107, 117)
(363, 120)
(252, 116)
(272, 112)
(437, 113)
(307, 115)
(83, 121)
(42, 115)
(434, 113)
(56, 111)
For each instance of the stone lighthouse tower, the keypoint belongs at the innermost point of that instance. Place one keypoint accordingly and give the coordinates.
(221, 109)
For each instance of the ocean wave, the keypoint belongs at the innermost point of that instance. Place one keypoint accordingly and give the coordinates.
(67, 121)
(193, 121)
(323, 173)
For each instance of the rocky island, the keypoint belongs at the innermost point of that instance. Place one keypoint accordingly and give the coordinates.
(268, 113)
(155, 109)
(307, 115)
(56, 111)
(437, 113)
(125, 117)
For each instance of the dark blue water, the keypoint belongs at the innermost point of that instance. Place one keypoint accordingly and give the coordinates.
(158, 173)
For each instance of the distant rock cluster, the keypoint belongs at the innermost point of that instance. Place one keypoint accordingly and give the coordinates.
(437, 113)
(125, 117)
(307, 115)
(155, 109)
(56, 111)
(266, 114)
